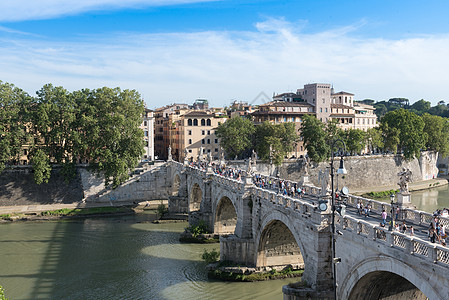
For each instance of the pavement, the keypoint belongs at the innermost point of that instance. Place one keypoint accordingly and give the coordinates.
(413, 186)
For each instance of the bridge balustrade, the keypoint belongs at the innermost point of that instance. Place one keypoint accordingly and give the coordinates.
(410, 245)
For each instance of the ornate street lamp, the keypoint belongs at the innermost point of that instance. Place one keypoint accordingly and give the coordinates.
(341, 170)
(392, 212)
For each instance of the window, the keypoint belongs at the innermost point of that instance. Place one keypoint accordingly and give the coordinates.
(195, 122)
(216, 149)
(203, 122)
(208, 122)
(190, 141)
(208, 132)
(208, 150)
(293, 119)
(202, 141)
(325, 109)
(145, 123)
(321, 109)
(146, 133)
(190, 150)
(216, 141)
(189, 122)
(190, 132)
(285, 119)
(202, 132)
(208, 141)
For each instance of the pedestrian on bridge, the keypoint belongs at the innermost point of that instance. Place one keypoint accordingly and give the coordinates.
(384, 218)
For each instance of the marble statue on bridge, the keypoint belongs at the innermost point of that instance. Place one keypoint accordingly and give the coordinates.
(323, 178)
(405, 176)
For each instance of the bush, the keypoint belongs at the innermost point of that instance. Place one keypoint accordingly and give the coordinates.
(198, 229)
(161, 210)
(2, 294)
(211, 257)
(383, 194)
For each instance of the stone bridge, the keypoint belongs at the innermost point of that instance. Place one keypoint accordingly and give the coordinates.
(263, 229)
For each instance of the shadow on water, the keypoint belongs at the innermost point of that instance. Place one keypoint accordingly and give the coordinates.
(118, 258)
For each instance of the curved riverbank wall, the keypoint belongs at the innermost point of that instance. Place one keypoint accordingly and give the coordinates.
(363, 171)
(17, 187)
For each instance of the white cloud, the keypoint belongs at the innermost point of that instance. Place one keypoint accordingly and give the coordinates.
(221, 66)
(19, 10)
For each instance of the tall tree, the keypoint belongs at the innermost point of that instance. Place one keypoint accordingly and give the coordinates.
(409, 128)
(356, 140)
(13, 131)
(374, 139)
(315, 138)
(236, 136)
(437, 130)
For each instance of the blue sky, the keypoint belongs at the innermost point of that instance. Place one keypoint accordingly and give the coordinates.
(180, 50)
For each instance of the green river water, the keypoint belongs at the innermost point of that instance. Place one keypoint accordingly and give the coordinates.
(112, 258)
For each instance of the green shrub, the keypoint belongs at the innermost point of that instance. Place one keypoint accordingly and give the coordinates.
(210, 257)
(383, 194)
(161, 210)
(2, 294)
(198, 229)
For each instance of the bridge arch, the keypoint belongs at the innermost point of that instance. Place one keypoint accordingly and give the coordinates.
(195, 198)
(278, 243)
(378, 277)
(225, 220)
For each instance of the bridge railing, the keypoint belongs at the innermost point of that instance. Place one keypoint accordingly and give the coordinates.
(284, 201)
(411, 245)
(409, 215)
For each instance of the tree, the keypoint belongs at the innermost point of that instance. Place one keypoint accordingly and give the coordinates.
(437, 130)
(439, 110)
(282, 139)
(315, 138)
(13, 133)
(110, 136)
(374, 139)
(408, 128)
(421, 106)
(236, 136)
(355, 140)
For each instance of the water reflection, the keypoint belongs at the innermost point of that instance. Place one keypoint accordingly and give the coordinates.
(432, 199)
(112, 258)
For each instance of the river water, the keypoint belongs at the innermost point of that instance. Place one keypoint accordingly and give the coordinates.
(112, 258)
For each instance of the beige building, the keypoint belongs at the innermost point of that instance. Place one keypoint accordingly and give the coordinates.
(318, 95)
(351, 114)
(148, 131)
(198, 129)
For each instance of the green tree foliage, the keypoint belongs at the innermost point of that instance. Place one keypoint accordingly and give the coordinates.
(355, 140)
(315, 138)
(420, 107)
(408, 128)
(281, 137)
(13, 133)
(437, 131)
(236, 136)
(2, 294)
(101, 126)
(374, 139)
(41, 166)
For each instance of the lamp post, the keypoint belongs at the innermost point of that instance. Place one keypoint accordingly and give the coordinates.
(392, 212)
(341, 170)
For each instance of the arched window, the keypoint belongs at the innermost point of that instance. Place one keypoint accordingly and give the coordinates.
(189, 122)
(195, 122)
(208, 122)
(203, 122)
(208, 141)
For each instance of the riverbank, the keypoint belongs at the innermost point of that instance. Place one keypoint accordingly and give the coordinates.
(413, 186)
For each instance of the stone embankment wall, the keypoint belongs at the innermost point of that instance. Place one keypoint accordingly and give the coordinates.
(17, 187)
(363, 171)
(150, 182)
